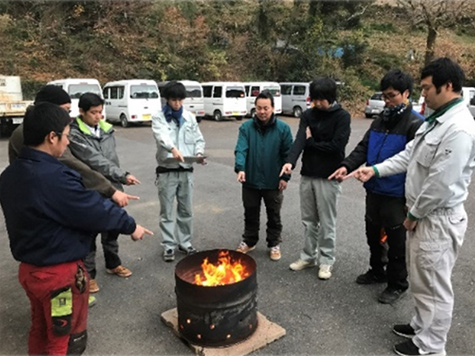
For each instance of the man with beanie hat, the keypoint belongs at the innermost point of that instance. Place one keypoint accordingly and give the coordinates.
(91, 179)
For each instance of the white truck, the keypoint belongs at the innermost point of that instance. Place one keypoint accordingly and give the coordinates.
(12, 105)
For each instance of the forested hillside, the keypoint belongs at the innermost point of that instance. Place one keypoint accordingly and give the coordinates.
(355, 42)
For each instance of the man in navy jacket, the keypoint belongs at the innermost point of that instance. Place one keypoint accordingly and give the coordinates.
(51, 220)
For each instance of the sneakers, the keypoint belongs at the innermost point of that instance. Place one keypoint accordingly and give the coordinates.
(91, 301)
(370, 278)
(244, 248)
(93, 286)
(325, 272)
(404, 330)
(187, 251)
(301, 264)
(120, 271)
(391, 295)
(169, 255)
(408, 348)
(274, 253)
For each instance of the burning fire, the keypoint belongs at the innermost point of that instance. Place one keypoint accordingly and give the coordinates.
(222, 273)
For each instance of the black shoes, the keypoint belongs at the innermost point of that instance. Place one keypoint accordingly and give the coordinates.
(407, 348)
(404, 330)
(371, 278)
(391, 295)
(187, 251)
(169, 255)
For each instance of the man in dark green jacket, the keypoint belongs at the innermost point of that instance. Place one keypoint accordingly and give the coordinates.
(262, 147)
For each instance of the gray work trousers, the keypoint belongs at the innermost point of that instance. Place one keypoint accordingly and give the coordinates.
(432, 249)
(318, 203)
(177, 184)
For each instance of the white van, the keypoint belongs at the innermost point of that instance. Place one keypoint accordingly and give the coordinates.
(131, 101)
(75, 87)
(254, 88)
(295, 98)
(224, 99)
(194, 101)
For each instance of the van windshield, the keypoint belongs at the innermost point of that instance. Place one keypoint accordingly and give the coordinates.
(143, 92)
(194, 92)
(234, 92)
(76, 90)
(275, 91)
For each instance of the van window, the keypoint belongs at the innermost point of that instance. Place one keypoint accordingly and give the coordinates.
(235, 92)
(254, 91)
(76, 90)
(143, 92)
(286, 89)
(193, 92)
(246, 89)
(299, 90)
(105, 92)
(218, 91)
(207, 89)
(114, 93)
(275, 91)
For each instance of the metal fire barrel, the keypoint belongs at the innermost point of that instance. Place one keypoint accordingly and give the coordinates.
(220, 315)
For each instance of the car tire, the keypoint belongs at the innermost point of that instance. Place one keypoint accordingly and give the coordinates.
(238, 118)
(217, 116)
(297, 111)
(123, 121)
(368, 116)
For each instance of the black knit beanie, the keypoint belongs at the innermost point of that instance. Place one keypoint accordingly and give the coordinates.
(52, 94)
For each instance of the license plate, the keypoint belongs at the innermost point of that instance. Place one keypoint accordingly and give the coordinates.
(19, 106)
(375, 111)
(146, 117)
(235, 113)
(17, 120)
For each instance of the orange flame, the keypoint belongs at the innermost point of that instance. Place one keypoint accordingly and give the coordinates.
(222, 273)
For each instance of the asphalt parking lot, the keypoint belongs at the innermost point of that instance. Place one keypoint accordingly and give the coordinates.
(334, 317)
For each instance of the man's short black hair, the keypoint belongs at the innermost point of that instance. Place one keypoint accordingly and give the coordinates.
(398, 80)
(265, 94)
(323, 88)
(443, 71)
(89, 100)
(174, 90)
(40, 120)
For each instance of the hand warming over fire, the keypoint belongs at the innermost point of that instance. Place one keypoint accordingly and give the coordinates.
(140, 232)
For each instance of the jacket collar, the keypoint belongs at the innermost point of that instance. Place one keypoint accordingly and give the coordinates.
(106, 127)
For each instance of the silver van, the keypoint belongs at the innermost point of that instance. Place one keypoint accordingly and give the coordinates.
(295, 98)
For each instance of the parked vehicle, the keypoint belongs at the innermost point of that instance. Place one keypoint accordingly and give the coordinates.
(374, 105)
(75, 87)
(253, 89)
(194, 101)
(131, 101)
(295, 98)
(12, 105)
(224, 99)
(468, 95)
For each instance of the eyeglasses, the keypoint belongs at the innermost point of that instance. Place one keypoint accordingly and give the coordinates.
(390, 96)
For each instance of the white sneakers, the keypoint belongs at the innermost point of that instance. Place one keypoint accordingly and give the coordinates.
(325, 272)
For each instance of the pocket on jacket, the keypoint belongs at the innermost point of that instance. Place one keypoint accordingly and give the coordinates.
(428, 150)
(189, 135)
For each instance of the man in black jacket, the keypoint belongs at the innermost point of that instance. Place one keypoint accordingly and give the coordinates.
(323, 133)
(385, 202)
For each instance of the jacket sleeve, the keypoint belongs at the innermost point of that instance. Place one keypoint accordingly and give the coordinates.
(299, 143)
(241, 150)
(160, 132)
(339, 140)
(199, 139)
(359, 154)
(74, 206)
(285, 148)
(95, 159)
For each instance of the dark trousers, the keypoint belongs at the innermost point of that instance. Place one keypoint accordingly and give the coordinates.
(251, 199)
(389, 213)
(110, 246)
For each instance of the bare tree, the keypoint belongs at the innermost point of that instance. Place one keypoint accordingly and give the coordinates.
(435, 14)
